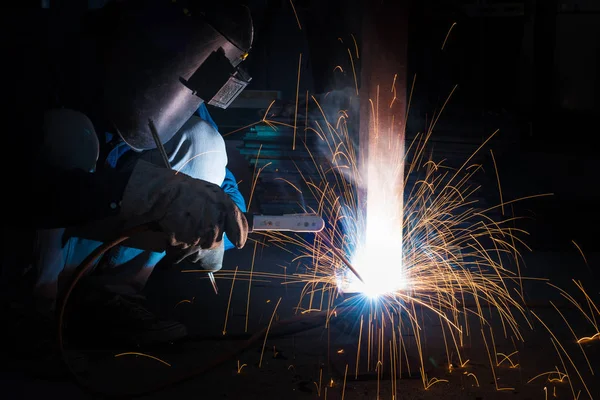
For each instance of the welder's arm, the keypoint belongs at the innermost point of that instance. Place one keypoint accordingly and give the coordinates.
(194, 214)
(64, 198)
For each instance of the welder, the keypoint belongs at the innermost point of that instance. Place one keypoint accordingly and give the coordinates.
(133, 62)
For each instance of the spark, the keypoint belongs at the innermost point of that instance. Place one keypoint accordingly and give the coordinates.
(310, 310)
(243, 128)
(433, 381)
(306, 116)
(181, 302)
(132, 353)
(507, 358)
(240, 367)
(580, 252)
(498, 178)
(344, 387)
(196, 156)
(229, 302)
(394, 91)
(267, 333)
(296, 14)
(392, 369)
(589, 338)
(448, 34)
(296, 110)
(355, 45)
(264, 119)
(250, 287)
(358, 347)
(353, 71)
(290, 183)
(320, 380)
(473, 376)
(256, 176)
(561, 376)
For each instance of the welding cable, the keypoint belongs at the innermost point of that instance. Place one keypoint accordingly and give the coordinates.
(86, 266)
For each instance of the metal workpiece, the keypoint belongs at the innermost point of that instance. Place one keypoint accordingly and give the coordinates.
(286, 223)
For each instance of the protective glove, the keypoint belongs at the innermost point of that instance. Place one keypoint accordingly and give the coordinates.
(193, 213)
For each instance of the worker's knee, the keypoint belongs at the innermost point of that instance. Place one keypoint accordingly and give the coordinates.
(199, 150)
(208, 139)
(70, 140)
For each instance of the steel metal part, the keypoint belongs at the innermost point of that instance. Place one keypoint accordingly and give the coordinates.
(309, 223)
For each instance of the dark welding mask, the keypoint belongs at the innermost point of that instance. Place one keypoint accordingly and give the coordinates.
(168, 56)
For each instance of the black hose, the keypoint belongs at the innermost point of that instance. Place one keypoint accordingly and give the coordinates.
(86, 265)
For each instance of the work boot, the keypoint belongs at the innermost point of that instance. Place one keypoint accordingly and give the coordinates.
(119, 319)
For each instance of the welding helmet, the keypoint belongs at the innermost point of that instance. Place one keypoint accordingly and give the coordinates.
(166, 57)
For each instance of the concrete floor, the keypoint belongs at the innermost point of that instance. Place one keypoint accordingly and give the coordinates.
(301, 360)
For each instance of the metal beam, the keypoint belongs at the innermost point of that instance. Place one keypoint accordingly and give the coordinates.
(384, 65)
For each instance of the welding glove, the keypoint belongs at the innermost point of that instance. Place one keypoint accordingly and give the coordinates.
(193, 213)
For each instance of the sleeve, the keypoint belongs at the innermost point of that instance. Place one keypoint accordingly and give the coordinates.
(65, 198)
(230, 187)
(205, 115)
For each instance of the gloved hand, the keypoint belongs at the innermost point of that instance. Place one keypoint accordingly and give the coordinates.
(192, 212)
